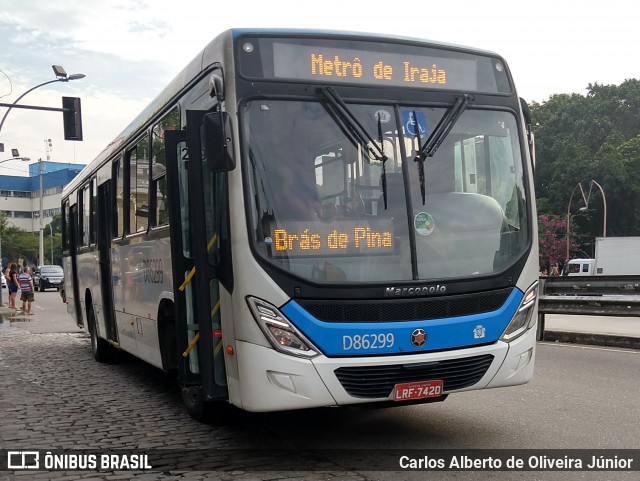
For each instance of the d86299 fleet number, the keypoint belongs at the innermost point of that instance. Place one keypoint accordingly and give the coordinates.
(367, 341)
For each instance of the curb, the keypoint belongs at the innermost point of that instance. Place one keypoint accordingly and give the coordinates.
(590, 339)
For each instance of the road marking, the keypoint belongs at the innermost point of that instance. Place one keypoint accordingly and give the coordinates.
(595, 348)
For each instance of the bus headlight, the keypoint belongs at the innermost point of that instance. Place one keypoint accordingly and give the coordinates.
(523, 319)
(282, 335)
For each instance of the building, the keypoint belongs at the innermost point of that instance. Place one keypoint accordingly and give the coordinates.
(20, 196)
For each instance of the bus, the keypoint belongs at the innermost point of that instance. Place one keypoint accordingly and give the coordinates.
(305, 219)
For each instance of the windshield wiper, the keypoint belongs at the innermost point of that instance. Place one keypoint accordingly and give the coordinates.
(438, 135)
(350, 124)
(383, 174)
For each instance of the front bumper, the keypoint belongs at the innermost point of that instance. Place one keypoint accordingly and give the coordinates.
(272, 381)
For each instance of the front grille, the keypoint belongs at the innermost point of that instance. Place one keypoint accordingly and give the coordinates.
(405, 309)
(378, 381)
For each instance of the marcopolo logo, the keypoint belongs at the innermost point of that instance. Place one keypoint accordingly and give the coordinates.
(393, 291)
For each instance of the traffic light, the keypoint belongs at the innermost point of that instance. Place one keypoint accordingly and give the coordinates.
(72, 118)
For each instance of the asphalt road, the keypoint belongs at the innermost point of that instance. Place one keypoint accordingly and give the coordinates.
(54, 396)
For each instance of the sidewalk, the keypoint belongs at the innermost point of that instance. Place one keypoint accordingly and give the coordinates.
(593, 330)
(39, 323)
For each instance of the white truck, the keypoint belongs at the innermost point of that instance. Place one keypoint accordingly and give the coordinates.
(615, 256)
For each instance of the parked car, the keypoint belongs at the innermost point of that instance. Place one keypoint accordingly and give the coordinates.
(45, 277)
(4, 280)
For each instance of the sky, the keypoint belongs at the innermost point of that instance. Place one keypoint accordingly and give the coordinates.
(130, 50)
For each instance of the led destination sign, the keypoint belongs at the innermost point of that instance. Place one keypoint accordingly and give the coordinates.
(316, 239)
(426, 68)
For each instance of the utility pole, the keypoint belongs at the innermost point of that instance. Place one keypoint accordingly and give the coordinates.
(41, 227)
(51, 241)
(2, 273)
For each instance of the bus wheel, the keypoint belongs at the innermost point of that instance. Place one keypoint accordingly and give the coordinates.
(102, 351)
(210, 412)
(540, 328)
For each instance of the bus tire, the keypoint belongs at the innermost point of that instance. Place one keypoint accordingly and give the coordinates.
(540, 327)
(209, 412)
(102, 351)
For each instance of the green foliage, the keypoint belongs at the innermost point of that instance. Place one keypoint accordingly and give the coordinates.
(552, 240)
(20, 244)
(591, 137)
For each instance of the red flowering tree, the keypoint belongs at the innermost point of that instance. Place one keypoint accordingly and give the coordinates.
(552, 240)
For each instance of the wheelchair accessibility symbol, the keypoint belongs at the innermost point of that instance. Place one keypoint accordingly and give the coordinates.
(413, 121)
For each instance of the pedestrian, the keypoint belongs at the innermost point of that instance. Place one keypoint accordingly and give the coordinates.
(12, 285)
(7, 278)
(26, 286)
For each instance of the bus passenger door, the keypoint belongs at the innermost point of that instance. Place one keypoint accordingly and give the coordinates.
(73, 247)
(198, 332)
(105, 218)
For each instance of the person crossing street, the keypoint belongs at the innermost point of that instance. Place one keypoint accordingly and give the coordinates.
(26, 286)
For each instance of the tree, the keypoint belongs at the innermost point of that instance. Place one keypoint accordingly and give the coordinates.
(3, 226)
(552, 240)
(17, 243)
(596, 136)
(20, 244)
(55, 227)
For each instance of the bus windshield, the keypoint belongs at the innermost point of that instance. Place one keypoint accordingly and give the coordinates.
(329, 206)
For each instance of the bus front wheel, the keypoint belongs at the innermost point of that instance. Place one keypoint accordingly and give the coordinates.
(210, 412)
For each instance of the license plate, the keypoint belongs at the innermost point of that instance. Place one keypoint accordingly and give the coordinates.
(418, 390)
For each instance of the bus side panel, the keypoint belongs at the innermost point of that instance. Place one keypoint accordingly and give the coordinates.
(73, 292)
(88, 283)
(69, 296)
(142, 277)
(124, 320)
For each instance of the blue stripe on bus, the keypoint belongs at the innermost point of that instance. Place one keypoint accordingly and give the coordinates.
(367, 338)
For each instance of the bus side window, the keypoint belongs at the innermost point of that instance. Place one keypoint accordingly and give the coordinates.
(138, 185)
(65, 226)
(80, 230)
(93, 218)
(118, 199)
(158, 208)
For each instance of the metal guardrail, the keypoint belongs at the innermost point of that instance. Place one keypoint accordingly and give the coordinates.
(590, 285)
(589, 295)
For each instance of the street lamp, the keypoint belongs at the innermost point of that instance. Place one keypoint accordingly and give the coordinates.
(586, 199)
(569, 212)
(61, 76)
(16, 156)
(604, 206)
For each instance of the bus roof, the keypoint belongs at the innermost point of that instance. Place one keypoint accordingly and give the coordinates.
(295, 32)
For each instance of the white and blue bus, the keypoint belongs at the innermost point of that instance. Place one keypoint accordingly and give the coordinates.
(314, 218)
